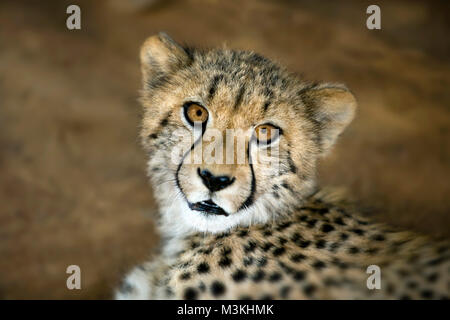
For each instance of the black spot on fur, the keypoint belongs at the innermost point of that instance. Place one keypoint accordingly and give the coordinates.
(185, 276)
(286, 268)
(353, 250)
(258, 276)
(284, 292)
(217, 288)
(309, 289)
(284, 225)
(327, 228)
(248, 261)
(319, 265)
(334, 246)
(343, 236)
(205, 251)
(184, 265)
(165, 121)
(226, 250)
(357, 231)
(363, 223)
(222, 235)
(311, 223)
(278, 251)
(320, 211)
(190, 293)
(299, 275)
(378, 237)
(436, 261)
(432, 277)
(239, 275)
(303, 243)
(225, 262)
(250, 246)
(203, 268)
(261, 262)
(320, 244)
(274, 277)
(287, 186)
(295, 237)
(426, 294)
(266, 247)
(298, 257)
(243, 233)
(194, 245)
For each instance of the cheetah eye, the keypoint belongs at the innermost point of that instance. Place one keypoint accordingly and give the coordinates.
(267, 133)
(194, 112)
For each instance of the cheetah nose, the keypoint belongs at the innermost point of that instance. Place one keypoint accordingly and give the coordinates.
(212, 182)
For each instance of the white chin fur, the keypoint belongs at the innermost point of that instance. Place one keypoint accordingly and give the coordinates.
(179, 219)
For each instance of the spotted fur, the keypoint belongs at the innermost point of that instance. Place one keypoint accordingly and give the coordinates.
(281, 237)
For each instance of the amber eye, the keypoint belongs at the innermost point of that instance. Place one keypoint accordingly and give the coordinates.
(195, 113)
(267, 133)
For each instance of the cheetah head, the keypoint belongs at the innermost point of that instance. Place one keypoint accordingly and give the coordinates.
(232, 138)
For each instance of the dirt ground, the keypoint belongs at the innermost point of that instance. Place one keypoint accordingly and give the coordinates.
(73, 188)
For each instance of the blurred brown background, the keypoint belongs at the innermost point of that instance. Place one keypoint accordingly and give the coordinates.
(73, 188)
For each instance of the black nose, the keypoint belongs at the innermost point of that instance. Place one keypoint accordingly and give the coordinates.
(212, 182)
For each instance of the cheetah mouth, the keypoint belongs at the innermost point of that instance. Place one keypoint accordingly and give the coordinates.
(208, 207)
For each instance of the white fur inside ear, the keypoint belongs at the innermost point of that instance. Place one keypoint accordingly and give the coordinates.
(333, 108)
(161, 55)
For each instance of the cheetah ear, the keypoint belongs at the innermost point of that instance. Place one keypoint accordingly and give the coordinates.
(160, 55)
(332, 107)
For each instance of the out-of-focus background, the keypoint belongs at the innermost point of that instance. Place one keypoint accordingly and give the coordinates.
(73, 188)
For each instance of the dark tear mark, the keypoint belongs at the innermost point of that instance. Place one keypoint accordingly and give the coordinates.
(249, 201)
(177, 180)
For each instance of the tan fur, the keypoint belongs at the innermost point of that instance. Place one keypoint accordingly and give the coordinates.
(281, 237)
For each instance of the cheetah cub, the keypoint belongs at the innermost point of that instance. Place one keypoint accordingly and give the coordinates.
(255, 225)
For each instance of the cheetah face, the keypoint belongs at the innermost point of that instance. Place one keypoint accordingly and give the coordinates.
(232, 138)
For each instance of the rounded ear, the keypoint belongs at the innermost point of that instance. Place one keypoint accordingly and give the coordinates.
(160, 56)
(332, 108)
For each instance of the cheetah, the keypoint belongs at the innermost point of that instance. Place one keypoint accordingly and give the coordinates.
(250, 229)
